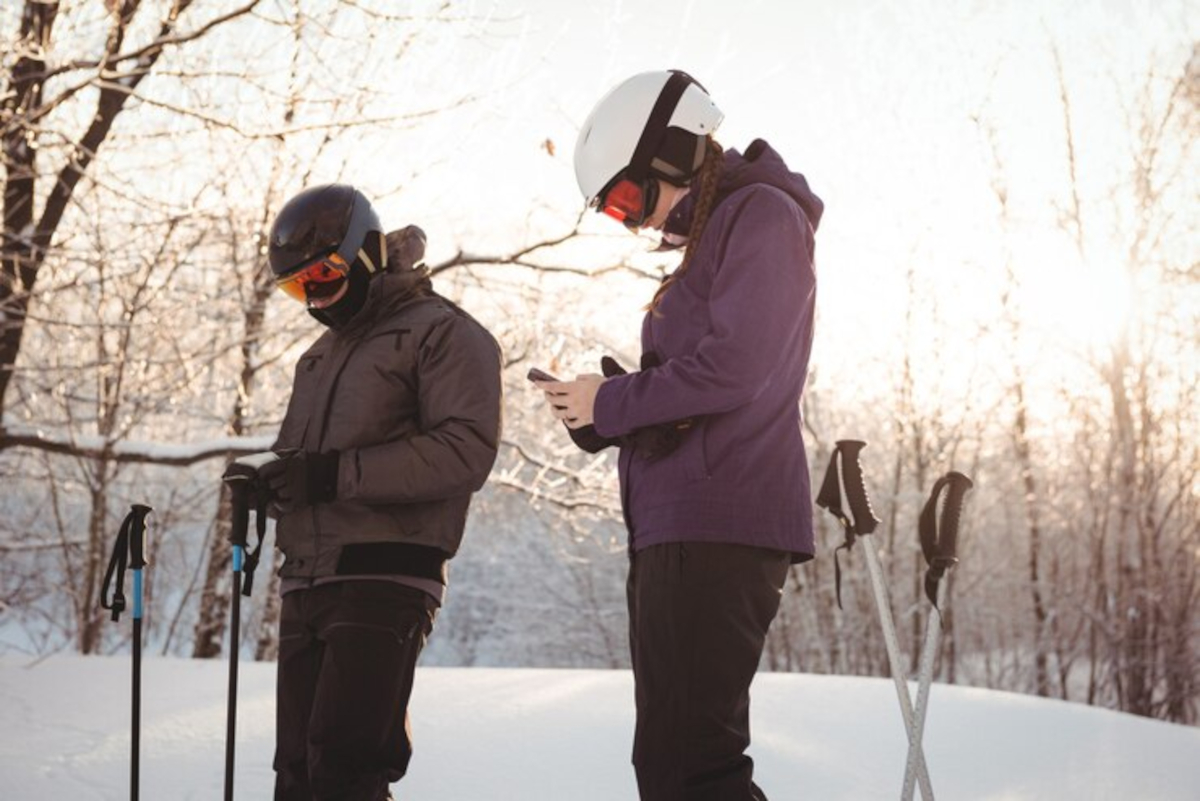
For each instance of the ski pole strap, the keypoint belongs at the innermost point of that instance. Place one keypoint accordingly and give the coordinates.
(939, 538)
(245, 487)
(131, 542)
(116, 565)
(830, 498)
(837, 572)
(260, 529)
(845, 470)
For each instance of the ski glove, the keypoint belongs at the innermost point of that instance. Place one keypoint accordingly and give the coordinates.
(586, 438)
(298, 479)
(652, 442)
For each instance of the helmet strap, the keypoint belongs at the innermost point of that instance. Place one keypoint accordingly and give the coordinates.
(655, 131)
(364, 255)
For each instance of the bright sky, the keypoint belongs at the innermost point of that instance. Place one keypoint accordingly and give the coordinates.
(876, 102)
(872, 100)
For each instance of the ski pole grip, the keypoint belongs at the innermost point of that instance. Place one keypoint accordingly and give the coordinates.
(856, 489)
(242, 478)
(240, 488)
(956, 490)
(137, 535)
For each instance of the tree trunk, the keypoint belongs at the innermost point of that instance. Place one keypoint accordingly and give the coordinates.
(214, 598)
(89, 615)
(19, 261)
(1033, 522)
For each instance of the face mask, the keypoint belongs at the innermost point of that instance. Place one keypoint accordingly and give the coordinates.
(341, 313)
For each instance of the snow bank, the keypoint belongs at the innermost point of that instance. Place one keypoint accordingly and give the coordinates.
(544, 735)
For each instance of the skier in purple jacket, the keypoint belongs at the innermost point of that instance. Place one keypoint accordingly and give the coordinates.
(714, 479)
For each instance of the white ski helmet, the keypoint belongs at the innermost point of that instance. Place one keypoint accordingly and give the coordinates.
(651, 125)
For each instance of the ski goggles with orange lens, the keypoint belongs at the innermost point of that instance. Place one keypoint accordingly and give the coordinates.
(629, 201)
(318, 278)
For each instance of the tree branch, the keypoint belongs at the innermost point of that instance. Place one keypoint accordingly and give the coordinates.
(518, 258)
(134, 452)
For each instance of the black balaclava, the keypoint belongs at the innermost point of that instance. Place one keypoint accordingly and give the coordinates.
(339, 315)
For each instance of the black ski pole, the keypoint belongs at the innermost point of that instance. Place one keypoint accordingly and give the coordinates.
(242, 479)
(130, 550)
(939, 544)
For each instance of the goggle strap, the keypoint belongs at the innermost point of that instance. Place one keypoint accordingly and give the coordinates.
(356, 231)
(656, 125)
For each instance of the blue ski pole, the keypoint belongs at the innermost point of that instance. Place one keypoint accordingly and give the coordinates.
(242, 479)
(130, 550)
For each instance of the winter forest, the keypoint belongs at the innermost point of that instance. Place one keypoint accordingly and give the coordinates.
(1008, 287)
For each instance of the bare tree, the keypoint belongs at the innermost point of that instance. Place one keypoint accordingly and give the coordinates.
(39, 92)
(225, 221)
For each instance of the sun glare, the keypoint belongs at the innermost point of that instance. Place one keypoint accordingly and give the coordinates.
(1084, 304)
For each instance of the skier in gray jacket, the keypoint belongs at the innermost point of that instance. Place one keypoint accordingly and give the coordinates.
(393, 422)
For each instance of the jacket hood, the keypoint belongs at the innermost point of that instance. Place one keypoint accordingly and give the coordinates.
(760, 164)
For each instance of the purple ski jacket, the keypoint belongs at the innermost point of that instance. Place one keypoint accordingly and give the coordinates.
(734, 335)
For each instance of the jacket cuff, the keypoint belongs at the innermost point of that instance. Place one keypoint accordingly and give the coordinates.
(322, 476)
(605, 416)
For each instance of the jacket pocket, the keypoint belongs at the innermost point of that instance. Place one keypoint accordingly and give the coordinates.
(694, 453)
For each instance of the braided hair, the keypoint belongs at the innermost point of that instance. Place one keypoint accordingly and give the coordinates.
(708, 179)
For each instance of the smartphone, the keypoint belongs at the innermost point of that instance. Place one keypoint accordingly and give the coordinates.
(535, 374)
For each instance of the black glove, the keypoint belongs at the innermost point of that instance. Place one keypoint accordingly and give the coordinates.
(586, 437)
(654, 442)
(247, 467)
(297, 479)
(650, 443)
(238, 471)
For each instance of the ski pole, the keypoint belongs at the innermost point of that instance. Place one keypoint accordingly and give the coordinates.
(239, 491)
(939, 544)
(242, 479)
(130, 550)
(845, 472)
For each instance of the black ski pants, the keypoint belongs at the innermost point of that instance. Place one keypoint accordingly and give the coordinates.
(347, 653)
(698, 619)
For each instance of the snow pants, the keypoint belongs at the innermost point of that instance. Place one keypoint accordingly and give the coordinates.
(698, 619)
(347, 654)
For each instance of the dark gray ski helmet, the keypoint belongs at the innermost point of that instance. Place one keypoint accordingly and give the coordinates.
(322, 221)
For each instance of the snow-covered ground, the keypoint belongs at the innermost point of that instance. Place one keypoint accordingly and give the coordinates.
(487, 734)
